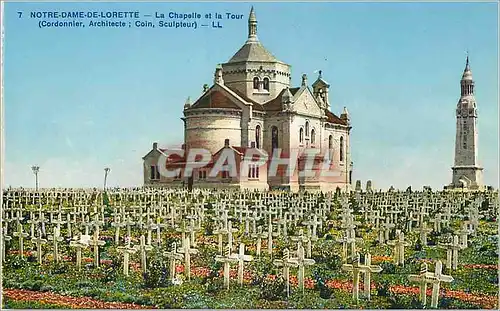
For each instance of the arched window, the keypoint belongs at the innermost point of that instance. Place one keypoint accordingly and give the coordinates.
(313, 136)
(341, 148)
(266, 84)
(330, 147)
(257, 137)
(307, 128)
(274, 137)
(301, 135)
(256, 83)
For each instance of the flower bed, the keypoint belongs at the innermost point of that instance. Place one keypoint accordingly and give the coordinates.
(66, 301)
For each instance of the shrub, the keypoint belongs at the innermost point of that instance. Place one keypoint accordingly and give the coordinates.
(388, 268)
(272, 289)
(383, 288)
(57, 268)
(47, 288)
(157, 272)
(209, 227)
(174, 297)
(17, 262)
(418, 246)
(83, 284)
(32, 285)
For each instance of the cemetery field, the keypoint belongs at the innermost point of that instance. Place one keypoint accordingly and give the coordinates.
(147, 249)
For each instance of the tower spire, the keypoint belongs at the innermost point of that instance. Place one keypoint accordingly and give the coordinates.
(252, 27)
(467, 67)
(467, 84)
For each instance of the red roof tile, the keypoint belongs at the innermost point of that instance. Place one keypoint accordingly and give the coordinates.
(275, 104)
(332, 118)
(256, 105)
(215, 99)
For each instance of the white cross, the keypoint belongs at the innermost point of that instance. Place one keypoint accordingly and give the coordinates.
(187, 251)
(173, 256)
(399, 248)
(241, 257)
(143, 248)
(227, 259)
(56, 238)
(428, 277)
(96, 243)
(286, 263)
(127, 250)
(302, 262)
(79, 245)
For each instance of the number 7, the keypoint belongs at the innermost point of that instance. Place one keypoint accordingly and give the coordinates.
(20, 14)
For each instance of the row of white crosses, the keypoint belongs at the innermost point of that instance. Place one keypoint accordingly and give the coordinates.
(413, 205)
(240, 213)
(452, 248)
(77, 244)
(153, 193)
(355, 267)
(269, 236)
(121, 195)
(127, 222)
(222, 215)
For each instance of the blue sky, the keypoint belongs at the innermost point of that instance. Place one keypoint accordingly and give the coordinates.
(78, 100)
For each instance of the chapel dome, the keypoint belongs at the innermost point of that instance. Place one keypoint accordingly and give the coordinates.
(252, 50)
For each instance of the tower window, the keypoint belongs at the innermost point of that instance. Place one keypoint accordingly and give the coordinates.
(301, 135)
(266, 84)
(274, 137)
(257, 137)
(152, 172)
(307, 128)
(256, 83)
(313, 137)
(341, 148)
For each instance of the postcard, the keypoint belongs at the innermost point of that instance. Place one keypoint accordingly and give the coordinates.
(231, 155)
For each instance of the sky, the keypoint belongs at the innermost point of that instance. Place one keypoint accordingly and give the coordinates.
(77, 100)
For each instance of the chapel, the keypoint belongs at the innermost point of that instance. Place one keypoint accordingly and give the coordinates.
(253, 104)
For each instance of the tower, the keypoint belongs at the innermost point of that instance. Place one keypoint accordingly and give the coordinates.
(320, 90)
(253, 71)
(466, 171)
